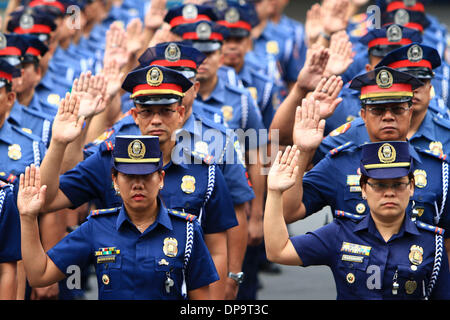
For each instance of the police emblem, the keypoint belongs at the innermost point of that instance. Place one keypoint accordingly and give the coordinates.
(154, 77)
(350, 278)
(3, 41)
(360, 208)
(136, 150)
(384, 79)
(272, 47)
(105, 279)
(386, 153)
(188, 184)
(53, 98)
(253, 92)
(410, 3)
(415, 53)
(26, 21)
(232, 15)
(436, 147)
(394, 33)
(420, 178)
(401, 17)
(189, 12)
(415, 254)
(170, 247)
(221, 5)
(172, 53)
(410, 286)
(14, 152)
(227, 113)
(203, 31)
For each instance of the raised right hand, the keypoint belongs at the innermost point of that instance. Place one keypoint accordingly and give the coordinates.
(284, 171)
(308, 127)
(31, 196)
(67, 125)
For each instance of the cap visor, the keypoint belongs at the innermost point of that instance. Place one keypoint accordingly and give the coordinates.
(387, 173)
(385, 100)
(207, 46)
(156, 100)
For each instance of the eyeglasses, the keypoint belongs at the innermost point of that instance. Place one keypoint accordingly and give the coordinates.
(396, 186)
(149, 113)
(379, 111)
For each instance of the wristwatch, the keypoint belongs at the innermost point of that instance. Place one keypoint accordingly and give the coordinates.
(238, 277)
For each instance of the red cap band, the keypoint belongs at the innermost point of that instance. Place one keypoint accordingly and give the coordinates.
(400, 5)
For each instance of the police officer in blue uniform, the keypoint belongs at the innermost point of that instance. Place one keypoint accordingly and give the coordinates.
(18, 148)
(191, 184)
(377, 44)
(240, 20)
(428, 131)
(384, 255)
(9, 241)
(386, 97)
(141, 250)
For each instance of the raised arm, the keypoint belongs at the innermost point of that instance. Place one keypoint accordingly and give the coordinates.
(39, 268)
(307, 136)
(67, 126)
(282, 176)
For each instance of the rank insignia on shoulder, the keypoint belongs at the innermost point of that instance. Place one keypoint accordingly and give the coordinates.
(340, 213)
(109, 145)
(336, 150)
(430, 227)
(341, 129)
(441, 155)
(101, 212)
(183, 215)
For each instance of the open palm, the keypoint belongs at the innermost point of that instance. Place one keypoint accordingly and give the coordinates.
(308, 127)
(31, 196)
(67, 125)
(284, 171)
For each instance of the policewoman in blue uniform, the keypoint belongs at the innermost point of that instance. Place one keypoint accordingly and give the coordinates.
(335, 181)
(141, 250)
(384, 255)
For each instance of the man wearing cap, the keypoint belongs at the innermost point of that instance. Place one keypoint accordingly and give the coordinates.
(428, 130)
(386, 96)
(206, 138)
(155, 90)
(240, 20)
(141, 250)
(383, 255)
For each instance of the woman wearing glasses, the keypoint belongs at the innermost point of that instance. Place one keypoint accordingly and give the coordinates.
(385, 254)
(140, 250)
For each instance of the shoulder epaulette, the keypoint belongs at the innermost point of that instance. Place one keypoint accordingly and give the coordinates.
(345, 146)
(429, 227)
(103, 212)
(182, 215)
(441, 156)
(235, 89)
(108, 145)
(340, 213)
(441, 122)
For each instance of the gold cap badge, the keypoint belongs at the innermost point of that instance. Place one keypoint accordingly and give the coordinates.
(154, 77)
(386, 153)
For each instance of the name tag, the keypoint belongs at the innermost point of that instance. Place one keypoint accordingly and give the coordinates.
(355, 248)
(351, 258)
(106, 259)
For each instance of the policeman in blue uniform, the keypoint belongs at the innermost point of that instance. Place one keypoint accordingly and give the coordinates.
(18, 148)
(430, 132)
(240, 20)
(377, 44)
(384, 255)
(386, 97)
(141, 250)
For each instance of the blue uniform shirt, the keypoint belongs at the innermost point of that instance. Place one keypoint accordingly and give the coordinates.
(31, 121)
(197, 187)
(18, 149)
(134, 265)
(263, 90)
(364, 265)
(9, 225)
(235, 105)
(343, 192)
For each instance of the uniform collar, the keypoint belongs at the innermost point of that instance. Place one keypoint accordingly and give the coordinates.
(15, 116)
(6, 133)
(162, 218)
(218, 92)
(426, 128)
(367, 224)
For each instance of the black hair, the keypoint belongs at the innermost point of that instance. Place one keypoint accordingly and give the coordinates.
(363, 179)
